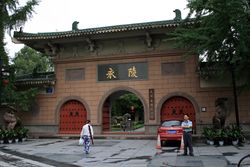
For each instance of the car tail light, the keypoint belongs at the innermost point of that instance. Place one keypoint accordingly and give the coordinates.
(179, 131)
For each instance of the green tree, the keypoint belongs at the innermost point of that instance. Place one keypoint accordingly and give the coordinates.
(123, 105)
(12, 15)
(28, 61)
(20, 100)
(220, 35)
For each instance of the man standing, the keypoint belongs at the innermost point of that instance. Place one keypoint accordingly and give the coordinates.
(87, 135)
(187, 135)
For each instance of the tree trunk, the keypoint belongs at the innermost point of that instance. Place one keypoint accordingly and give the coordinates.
(235, 97)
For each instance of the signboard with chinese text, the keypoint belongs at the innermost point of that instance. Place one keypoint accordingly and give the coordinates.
(151, 104)
(126, 71)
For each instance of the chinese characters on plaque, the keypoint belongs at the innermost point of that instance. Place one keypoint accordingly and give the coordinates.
(126, 71)
(151, 94)
(132, 72)
(110, 73)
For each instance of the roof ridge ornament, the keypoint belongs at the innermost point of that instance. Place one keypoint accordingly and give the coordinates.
(74, 26)
(20, 29)
(177, 15)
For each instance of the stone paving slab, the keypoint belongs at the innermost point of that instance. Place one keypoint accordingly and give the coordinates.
(124, 153)
(205, 156)
(8, 160)
(204, 151)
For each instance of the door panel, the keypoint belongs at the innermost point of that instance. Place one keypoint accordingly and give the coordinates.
(106, 117)
(176, 107)
(72, 117)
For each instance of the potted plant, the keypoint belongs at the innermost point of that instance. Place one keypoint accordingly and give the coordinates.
(1, 136)
(9, 134)
(15, 135)
(227, 140)
(19, 134)
(204, 133)
(220, 136)
(236, 134)
(5, 135)
(22, 132)
(209, 134)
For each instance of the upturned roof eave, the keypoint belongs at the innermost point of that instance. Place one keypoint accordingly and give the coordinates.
(24, 36)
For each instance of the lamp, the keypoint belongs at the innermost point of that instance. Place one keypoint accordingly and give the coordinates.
(203, 109)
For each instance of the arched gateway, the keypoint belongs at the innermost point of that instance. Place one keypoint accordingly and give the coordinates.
(175, 107)
(72, 116)
(116, 104)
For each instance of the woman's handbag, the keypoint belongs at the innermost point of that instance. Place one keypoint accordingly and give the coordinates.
(81, 141)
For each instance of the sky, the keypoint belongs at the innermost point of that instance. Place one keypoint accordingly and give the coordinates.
(58, 15)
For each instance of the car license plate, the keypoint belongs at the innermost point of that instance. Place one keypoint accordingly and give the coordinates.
(171, 131)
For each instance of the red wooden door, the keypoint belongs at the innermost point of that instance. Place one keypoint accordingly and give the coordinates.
(106, 116)
(72, 117)
(176, 107)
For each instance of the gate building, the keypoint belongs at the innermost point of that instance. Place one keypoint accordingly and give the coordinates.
(94, 66)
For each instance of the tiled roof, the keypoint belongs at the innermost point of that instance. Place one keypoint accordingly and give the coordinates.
(35, 82)
(99, 30)
(47, 78)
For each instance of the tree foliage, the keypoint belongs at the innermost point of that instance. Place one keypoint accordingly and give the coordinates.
(28, 61)
(12, 15)
(123, 105)
(21, 100)
(220, 33)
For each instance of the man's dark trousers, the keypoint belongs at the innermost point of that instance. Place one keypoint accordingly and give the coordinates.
(187, 137)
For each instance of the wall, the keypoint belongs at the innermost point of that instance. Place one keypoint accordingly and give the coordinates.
(93, 93)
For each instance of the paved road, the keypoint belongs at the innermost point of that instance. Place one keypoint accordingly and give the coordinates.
(107, 153)
(9, 160)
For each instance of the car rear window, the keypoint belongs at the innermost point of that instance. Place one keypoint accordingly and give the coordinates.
(171, 123)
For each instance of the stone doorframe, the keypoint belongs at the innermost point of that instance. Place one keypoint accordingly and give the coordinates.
(181, 94)
(108, 93)
(64, 100)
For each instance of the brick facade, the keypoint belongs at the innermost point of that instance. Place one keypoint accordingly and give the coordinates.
(93, 93)
(127, 47)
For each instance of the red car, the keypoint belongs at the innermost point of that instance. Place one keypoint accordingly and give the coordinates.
(170, 130)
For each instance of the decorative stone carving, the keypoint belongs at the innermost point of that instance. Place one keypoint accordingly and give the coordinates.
(91, 45)
(21, 30)
(75, 51)
(148, 40)
(177, 15)
(51, 49)
(222, 110)
(74, 26)
(216, 121)
(121, 47)
(10, 120)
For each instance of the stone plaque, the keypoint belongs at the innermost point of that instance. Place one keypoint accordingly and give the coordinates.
(151, 104)
(74, 74)
(175, 68)
(125, 71)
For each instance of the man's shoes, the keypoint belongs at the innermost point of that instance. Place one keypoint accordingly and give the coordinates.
(185, 154)
(191, 154)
